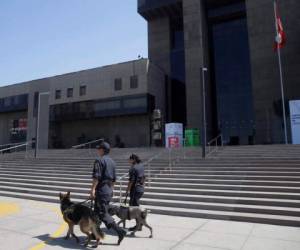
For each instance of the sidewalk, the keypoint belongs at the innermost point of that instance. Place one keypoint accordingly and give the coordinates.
(31, 225)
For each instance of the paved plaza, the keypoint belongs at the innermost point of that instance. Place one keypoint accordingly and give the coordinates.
(31, 225)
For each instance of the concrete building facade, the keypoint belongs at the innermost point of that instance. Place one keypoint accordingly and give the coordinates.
(106, 102)
(234, 40)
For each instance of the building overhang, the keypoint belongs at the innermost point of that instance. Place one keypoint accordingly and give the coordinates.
(151, 9)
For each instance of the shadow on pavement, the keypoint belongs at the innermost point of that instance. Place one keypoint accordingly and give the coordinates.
(70, 243)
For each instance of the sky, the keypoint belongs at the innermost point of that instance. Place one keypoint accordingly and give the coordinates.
(41, 38)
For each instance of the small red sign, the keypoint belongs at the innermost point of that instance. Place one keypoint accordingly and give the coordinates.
(174, 142)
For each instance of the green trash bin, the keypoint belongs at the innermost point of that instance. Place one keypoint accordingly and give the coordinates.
(192, 137)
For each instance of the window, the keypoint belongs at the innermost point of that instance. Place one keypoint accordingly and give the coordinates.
(109, 105)
(57, 94)
(16, 100)
(134, 82)
(140, 102)
(70, 92)
(7, 101)
(82, 90)
(118, 84)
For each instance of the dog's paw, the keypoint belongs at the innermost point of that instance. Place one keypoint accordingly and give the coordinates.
(151, 236)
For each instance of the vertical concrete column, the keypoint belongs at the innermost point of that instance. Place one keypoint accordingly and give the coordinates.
(41, 86)
(196, 57)
(43, 121)
(159, 42)
(31, 119)
(159, 34)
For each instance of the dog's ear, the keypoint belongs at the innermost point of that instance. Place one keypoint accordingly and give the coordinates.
(60, 196)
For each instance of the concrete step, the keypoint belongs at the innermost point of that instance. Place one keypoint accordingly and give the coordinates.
(188, 212)
(167, 173)
(181, 178)
(190, 190)
(255, 184)
(163, 171)
(165, 194)
(175, 168)
(156, 182)
(218, 161)
(274, 181)
(287, 211)
(63, 165)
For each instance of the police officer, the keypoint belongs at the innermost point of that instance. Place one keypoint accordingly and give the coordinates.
(136, 182)
(104, 178)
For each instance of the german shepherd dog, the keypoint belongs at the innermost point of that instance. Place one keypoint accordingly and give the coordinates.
(79, 214)
(129, 213)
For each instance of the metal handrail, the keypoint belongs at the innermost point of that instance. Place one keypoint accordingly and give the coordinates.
(87, 143)
(149, 172)
(14, 147)
(214, 141)
(11, 144)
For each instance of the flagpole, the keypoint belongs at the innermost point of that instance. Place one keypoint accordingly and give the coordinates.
(281, 77)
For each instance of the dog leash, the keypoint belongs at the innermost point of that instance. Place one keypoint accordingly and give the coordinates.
(125, 201)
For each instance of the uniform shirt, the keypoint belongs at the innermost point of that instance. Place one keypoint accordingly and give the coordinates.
(136, 175)
(104, 171)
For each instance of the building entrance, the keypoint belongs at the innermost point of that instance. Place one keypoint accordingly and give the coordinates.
(231, 72)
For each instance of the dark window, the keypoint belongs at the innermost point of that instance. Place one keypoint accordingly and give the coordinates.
(16, 100)
(134, 82)
(7, 101)
(57, 94)
(118, 84)
(82, 90)
(231, 72)
(135, 103)
(70, 92)
(109, 105)
(139, 104)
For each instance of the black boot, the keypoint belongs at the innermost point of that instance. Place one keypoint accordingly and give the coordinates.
(121, 233)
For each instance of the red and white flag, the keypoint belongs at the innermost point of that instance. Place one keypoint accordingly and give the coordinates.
(280, 38)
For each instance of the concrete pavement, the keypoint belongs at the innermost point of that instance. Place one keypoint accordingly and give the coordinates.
(31, 225)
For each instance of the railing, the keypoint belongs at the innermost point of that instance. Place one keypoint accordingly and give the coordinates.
(12, 144)
(148, 163)
(87, 145)
(16, 148)
(4, 146)
(213, 145)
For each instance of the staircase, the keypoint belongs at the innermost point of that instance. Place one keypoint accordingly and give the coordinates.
(247, 183)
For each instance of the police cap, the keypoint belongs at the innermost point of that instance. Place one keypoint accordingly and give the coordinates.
(105, 146)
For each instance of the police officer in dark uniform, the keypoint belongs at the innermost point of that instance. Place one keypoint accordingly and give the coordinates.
(104, 178)
(136, 182)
